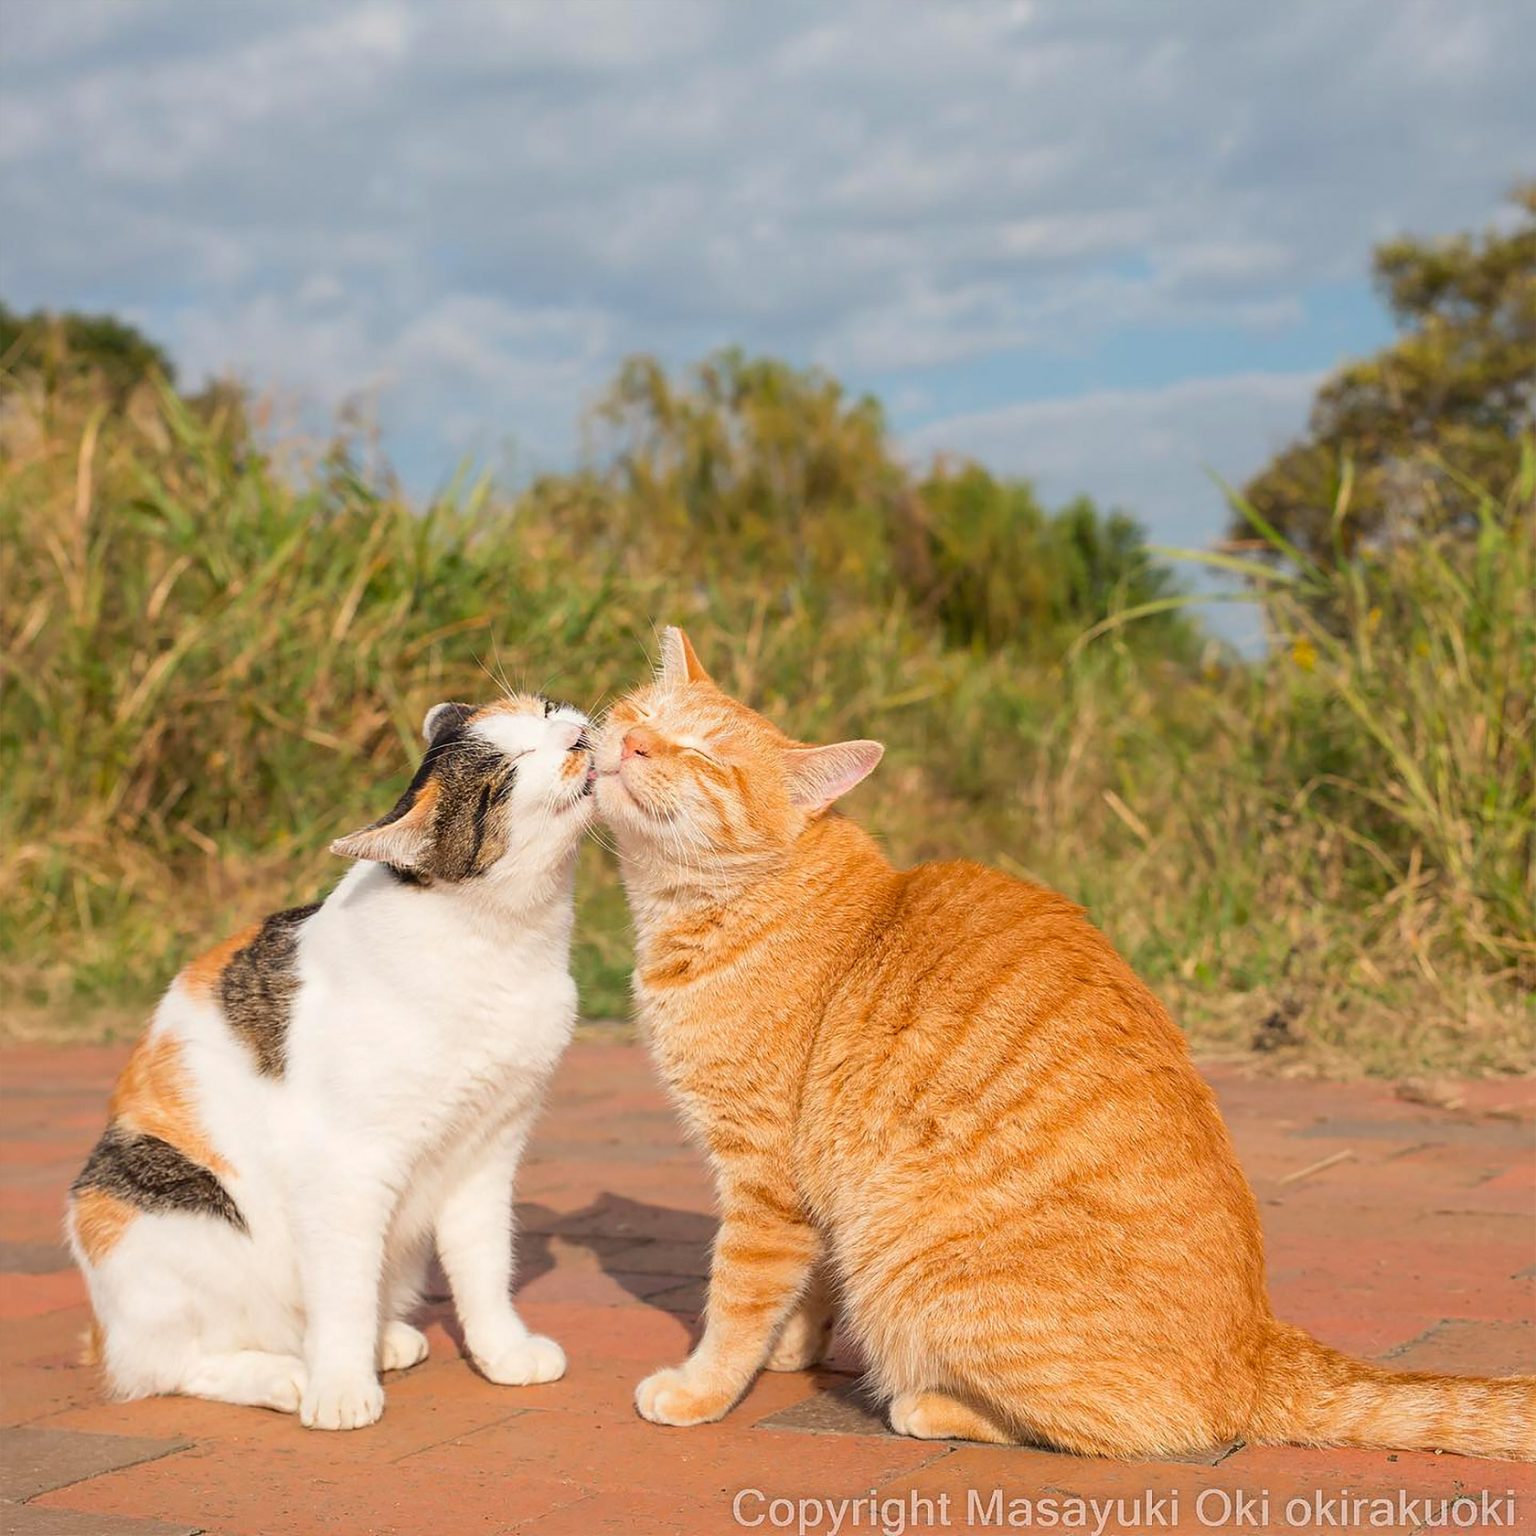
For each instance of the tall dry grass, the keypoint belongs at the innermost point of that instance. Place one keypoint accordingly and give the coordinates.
(210, 668)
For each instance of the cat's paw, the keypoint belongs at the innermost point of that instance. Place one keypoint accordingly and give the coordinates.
(401, 1346)
(524, 1363)
(341, 1402)
(666, 1397)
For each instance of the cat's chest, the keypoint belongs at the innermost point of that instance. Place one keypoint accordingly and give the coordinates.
(411, 1051)
(497, 1033)
(478, 1076)
(478, 1089)
(724, 1053)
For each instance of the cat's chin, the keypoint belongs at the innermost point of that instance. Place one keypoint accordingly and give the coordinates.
(612, 795)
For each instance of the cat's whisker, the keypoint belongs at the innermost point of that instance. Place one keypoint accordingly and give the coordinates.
(498, 677)
(603, 841)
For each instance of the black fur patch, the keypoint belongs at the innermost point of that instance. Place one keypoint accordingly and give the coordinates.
(152, 1175)
(406, 876)
(257, 988)
(474, 779)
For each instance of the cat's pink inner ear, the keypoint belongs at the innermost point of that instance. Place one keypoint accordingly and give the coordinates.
(679, 663)
(400, 842)
(819, 775)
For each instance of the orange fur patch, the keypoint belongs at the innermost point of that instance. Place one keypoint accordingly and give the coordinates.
(202, 975)
(421, 807)
(518, 704)
(154, 1096)
(100, 1220)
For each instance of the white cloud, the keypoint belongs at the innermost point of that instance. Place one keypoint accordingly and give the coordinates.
(1150, 451)
(471, 198)
(464, 360)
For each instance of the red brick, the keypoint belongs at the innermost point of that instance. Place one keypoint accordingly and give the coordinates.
(1414, 1244)
(29, 1295)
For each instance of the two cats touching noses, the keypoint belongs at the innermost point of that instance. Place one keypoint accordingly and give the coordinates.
(939, 1109)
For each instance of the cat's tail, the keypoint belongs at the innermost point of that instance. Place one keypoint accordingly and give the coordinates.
(1312, 1395)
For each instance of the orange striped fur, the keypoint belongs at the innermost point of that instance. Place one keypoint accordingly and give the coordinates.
(941, 1092)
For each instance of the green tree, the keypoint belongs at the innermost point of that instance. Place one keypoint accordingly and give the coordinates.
(108, 361)
(749, 459)
(69, 345)
(996, 567)
(1443, 405)
(748, 470)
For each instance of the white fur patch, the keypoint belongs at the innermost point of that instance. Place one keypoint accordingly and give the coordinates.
(512, 734)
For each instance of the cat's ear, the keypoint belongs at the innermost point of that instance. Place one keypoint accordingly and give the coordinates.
(401, 840)
(679, 664)
(444, 717)
(820, 775)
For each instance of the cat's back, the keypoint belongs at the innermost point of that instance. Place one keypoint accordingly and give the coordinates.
(991, 1031)
(968, 954)
(223, 1026)
(944, 906)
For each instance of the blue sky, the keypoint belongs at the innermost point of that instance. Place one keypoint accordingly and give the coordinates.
(1106, 243)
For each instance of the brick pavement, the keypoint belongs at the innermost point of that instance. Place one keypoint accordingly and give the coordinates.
(1398, 1230)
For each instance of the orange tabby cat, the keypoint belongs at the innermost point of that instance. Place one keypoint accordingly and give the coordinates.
(940, 1095)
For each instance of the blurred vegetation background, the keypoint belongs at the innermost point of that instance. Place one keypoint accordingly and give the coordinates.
(217, 649)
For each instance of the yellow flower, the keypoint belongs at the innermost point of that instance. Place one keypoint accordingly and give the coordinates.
(1304, 654)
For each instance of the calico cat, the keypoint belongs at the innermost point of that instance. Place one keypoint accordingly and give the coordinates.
(940, 1095)
(328, 1093)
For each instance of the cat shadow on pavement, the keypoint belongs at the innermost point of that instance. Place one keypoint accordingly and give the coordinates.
(648, 1250)
(659, 1254)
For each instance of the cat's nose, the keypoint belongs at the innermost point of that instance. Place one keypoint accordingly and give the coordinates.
(638, 743)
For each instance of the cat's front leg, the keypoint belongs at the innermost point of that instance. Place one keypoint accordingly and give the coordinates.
(474, 1242)
(762, 1260)
(341, 1248)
